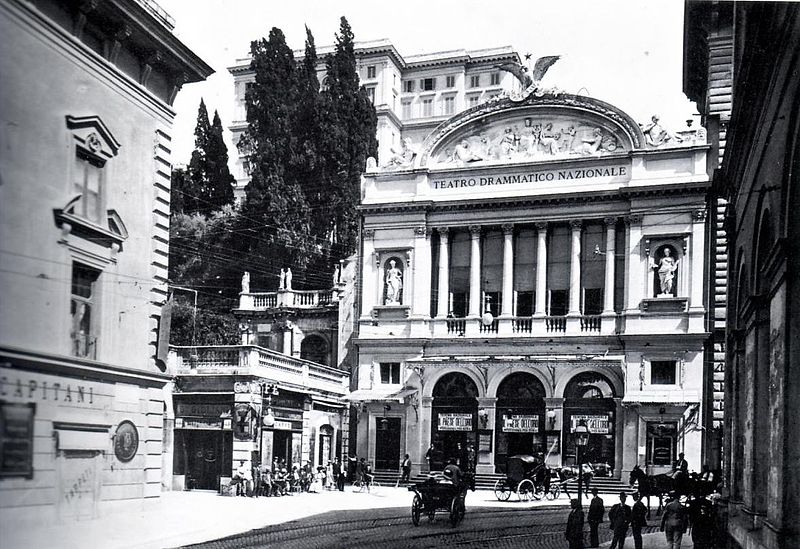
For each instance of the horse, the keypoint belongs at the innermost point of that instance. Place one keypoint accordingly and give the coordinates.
(651, 485)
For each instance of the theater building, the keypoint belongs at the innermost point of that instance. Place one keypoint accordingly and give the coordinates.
(86, 112)
(535, 263)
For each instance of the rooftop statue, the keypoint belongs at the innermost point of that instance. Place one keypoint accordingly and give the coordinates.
(656, 135)
(404, 157)
(530, 82)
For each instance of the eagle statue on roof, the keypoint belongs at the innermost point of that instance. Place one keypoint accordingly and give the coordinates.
(530, 82)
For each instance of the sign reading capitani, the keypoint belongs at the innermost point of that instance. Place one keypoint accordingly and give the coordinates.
(542, 176)
(455, 422)
(520, 424)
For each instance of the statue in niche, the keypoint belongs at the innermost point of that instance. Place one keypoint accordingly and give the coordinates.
(394, 284)
(656, 135)
(666, 267)
(464, 154)
(403, 157)
(246, 282)
(282, 281)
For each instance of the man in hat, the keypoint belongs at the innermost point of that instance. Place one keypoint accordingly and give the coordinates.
(638, 520)
(595, 517)
(673, 523)
(619, 518)
(574, 532)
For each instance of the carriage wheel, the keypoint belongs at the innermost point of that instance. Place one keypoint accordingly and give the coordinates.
(501, 490)
(554, 493)
(538, 492)
(457, 510)
(416, 510)
(525, 490)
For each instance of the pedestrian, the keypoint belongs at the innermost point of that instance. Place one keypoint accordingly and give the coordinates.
(574, 532)
(701, 515)
(429, 455)
(406, 468)
(638, 520)
(596, 513)
(470, 458)
(673, 523)
(619, 518)
(338, 476)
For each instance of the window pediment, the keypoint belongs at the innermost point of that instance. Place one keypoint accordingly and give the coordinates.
(93, 136)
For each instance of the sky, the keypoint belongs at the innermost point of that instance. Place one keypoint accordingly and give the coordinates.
(625, 52)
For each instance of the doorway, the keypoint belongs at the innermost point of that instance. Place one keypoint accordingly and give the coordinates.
(455, 410)
(204, 459)
(387, 443)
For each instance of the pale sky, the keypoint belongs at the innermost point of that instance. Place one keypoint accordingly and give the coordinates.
(625, 52)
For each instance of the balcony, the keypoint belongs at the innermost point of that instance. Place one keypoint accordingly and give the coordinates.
(257, 361)
(297, 299)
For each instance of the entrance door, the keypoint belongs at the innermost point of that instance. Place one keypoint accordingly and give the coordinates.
(387, 443)
(204, 459)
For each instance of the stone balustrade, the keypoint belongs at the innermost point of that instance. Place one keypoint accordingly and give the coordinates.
(259, 361)
(300, 299)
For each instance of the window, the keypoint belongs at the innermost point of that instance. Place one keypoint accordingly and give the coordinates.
(406, 110)
(558, 302)
(390, 373)
(495, 79)
(427, 107)
(473, 100)
(394, 101)
(371, 93)
(525, 301)
(449, 105)
(460, 302)
(408, 86)
(427, 84)
(450, 82)
(88, 183)
(592, 301)
(81, 305)
(371, 71)
(475, 81)
(662, 372)
(661, 439)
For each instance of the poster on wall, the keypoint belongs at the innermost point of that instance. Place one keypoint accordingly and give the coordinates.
(455, 422)
(598, 425)
(520, 424)
(485, 441)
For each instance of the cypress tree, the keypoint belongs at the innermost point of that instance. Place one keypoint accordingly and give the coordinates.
(220, 179)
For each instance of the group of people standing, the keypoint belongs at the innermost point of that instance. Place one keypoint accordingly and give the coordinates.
(674, 522)
(278, 480)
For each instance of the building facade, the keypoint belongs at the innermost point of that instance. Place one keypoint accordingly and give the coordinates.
(411, 94)
(222, 397)
(84, 225)
(758, 178)
(537, 262)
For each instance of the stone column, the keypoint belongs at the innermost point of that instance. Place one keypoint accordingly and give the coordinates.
(575, 269)
(422, 273)
(508, 270)
(369, 290)
(475, 272)
(425, 427)
(541, 269)
(608, 293)
(697, 255)
(443, 304)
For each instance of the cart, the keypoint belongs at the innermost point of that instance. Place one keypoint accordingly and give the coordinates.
(432, 495)
(526, 476)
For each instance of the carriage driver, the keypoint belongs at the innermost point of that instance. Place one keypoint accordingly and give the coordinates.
(681, 465)
(452, 472)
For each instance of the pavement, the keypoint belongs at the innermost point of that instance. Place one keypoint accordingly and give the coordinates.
(654, 541)
(182, 518)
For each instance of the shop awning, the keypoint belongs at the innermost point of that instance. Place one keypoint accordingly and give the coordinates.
(377, 395)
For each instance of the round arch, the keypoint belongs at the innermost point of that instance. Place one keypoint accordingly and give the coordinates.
(498, 379)
(454, 420)
(519, 418)
(612, 375)
(315, 347)
(430, 383)
(589, 398)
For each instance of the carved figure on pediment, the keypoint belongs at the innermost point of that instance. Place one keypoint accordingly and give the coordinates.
(549, 139)
(656, 135)
(404, 157)
(591, 145)
(568, 138)
(464, 154)
(508, 145)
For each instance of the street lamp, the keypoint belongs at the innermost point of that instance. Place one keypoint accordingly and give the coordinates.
(581, 433)
(268, 419)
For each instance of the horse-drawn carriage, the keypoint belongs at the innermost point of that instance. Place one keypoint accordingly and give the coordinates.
(526, 476)
(440, 495)
(679, 483)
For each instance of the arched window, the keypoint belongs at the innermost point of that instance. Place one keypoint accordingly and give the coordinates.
(315, 349)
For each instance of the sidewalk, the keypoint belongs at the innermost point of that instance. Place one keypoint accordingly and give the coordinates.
(655, 541)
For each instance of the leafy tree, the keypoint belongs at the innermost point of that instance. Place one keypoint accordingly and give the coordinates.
(202, 326)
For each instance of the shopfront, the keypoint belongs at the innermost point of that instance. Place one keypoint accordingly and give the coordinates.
(203, 440)
(520, 418)
(284, 440)
(455, 409)
(589, 399)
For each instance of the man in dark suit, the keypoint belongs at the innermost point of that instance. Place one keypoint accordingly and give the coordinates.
(338, 475)
(619, 518)
(638, 520)
(574, 532)
(596, 513)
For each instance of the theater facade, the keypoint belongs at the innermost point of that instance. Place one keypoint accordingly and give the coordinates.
(536, 262)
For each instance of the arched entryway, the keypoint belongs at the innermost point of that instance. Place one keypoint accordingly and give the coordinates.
(455, 410)
(520, 425)
(589, 397)
(315, 348)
